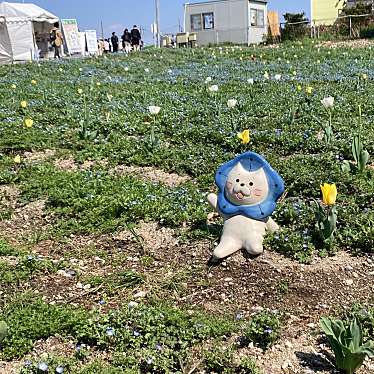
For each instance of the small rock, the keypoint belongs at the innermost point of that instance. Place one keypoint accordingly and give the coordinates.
(348, 282)
(348, 268)
(288, 344)
(140, 294)
(79, 285)
(355, 275)
(87, 286)
(311, 325)
(286, 364)
(228, 279)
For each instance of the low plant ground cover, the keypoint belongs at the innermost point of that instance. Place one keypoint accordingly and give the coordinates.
(105, 231)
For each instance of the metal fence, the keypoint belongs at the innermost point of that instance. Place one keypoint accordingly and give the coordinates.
(349, 26)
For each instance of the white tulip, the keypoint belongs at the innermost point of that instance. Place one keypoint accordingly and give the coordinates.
(231, 103)
(328, 102)
(277, 77)
(213, 88)
(250, 80)
(208, 79)
(154, 109)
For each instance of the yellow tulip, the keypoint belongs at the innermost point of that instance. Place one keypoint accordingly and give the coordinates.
(29, 122)
(364, 76)
(14, 86)
(309, 90)
(23, 104)
(98, 84)
(299, 88)
(329, 193)
(244, 137)
(33, 81)
(80, 91)
(17, 159)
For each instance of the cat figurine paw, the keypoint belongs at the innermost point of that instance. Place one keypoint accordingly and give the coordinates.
(248, 191)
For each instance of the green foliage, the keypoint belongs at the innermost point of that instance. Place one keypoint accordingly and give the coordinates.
(264, 329)
(6, 249)
(295, 27)
(30, 319)
(221, 360)
(347, 343)
(326, 225)
(3, 331)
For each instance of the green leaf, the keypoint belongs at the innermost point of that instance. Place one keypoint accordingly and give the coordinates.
(4, 330)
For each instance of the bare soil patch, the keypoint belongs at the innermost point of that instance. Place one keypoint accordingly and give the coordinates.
(356, 43)
(151, 174)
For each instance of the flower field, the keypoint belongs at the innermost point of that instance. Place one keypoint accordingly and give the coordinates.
(105, 231)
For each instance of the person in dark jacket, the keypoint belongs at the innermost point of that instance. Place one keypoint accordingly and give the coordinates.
(135, 38)
(126, 41)
(114, 40)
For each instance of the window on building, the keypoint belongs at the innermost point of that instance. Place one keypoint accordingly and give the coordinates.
(208, 19)
(196, 23)
(257, 18)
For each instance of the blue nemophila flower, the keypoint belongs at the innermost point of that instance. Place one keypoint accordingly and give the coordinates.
(27, 363)
(59, 369)
(268, 331)
(110, 331)
(158, 347)
(239, 316)
(136, 333)
(30, 257)
(102, 302)
(43, 366)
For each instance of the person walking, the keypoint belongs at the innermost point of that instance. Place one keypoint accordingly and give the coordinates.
(126, 41)
(114, 40)
(135, 38)
(106, 46)
(56, 39)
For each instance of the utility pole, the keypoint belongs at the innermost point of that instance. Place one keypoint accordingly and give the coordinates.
(157, 5)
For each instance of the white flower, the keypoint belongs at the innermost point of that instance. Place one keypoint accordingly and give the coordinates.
(328, 102)
(208, 79)
(277, 77)
(250, 80)
(231, 103)
(146, 70)
(266, 75)
(213, 88)
(126, 68)
(154, 109)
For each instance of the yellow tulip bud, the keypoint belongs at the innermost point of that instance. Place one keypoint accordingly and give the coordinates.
(17, 159)
(29, 122)
(23, 104)
(14, 86)
(80, 91)
(33, 81)
(244, 137)
(329, 193)
(309, 90)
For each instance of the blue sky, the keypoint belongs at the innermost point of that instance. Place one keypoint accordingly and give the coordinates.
(116, 14)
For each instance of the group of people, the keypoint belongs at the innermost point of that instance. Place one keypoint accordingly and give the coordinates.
(130, 41)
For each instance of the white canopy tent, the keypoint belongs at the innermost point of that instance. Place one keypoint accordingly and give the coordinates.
(24, 29)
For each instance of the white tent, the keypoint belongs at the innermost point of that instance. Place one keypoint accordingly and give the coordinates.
(24, 29)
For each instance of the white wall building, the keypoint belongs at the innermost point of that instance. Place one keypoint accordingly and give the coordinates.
(220, 21)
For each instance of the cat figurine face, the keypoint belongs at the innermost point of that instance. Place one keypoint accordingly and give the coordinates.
(244, 187)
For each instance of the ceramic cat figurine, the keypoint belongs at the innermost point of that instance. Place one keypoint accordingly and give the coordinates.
(248, 191)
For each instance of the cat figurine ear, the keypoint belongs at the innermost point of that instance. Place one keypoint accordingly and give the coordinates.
(248, 191)
(248, 185)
